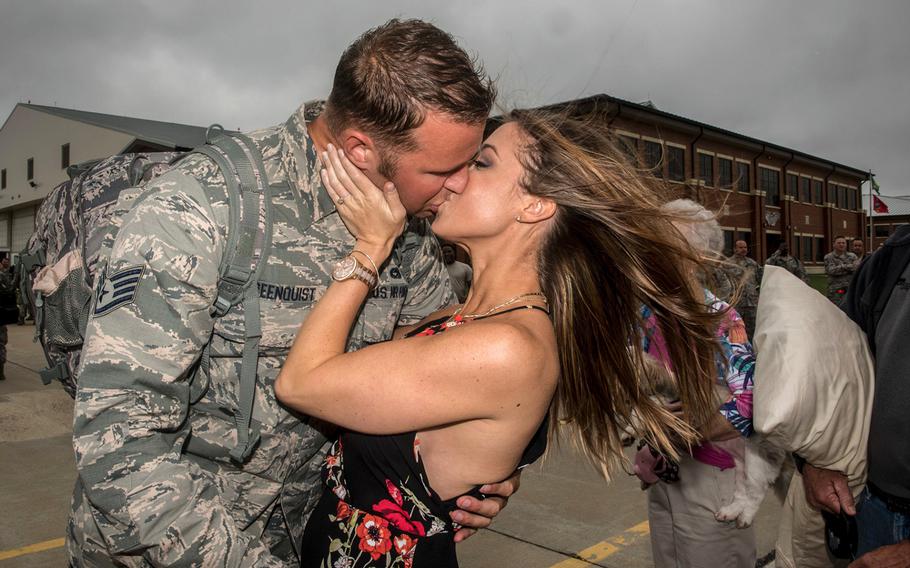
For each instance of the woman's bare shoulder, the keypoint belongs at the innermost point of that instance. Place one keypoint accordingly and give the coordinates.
(524, 344)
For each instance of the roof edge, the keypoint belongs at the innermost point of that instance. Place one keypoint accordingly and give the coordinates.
(593, 99)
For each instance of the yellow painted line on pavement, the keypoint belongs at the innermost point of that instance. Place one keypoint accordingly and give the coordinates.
(607, 547)
(32, 548)
(594, 553)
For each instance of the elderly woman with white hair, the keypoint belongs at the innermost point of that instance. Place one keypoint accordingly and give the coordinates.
(682, 500)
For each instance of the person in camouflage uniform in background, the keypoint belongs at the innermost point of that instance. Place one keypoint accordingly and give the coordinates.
(6, 287)
(748, 275)
(840, 264)
(155, 485)
(782, 258)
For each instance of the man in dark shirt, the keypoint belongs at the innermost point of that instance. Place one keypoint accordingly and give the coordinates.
(859, 249)
(878, 300)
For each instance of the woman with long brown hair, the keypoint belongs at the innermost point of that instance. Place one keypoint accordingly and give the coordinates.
(568, 242)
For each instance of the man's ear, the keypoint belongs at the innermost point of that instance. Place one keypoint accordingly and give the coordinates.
(537, 209)
(359, 148)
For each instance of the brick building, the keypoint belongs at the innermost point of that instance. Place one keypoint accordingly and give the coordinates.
(763, 192)
(883, 224)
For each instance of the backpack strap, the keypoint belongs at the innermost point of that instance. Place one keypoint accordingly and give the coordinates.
(28, 262)
(58, 372)
(249, 197)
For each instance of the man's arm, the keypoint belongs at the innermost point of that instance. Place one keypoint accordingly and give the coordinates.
(148, 327)
(474, 514)
(830, 264)
(6, 282)
(893, 556)
(801, 271)
(759, 275)
(835, 267)
(827, 490)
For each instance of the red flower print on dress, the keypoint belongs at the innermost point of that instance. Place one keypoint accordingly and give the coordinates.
(344, 511)
(399, 518)
(403, 544)
(374, 535)
(395, 514)
(394, 492)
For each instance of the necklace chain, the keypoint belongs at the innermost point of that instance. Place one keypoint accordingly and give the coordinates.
(508, 302)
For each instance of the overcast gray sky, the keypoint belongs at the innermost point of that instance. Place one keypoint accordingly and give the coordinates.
(831, 78)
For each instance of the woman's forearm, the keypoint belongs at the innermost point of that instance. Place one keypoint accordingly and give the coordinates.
(325, 331)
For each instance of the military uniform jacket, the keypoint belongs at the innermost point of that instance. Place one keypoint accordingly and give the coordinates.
(6, 281)
(152, 494)
(840, 268)
(791, 263)
(748, 275)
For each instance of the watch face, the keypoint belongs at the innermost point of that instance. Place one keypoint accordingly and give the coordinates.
(344, 268)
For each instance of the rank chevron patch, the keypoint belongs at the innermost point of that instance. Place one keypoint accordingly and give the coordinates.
(118, 289)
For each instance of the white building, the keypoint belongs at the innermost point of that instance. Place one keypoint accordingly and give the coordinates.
(38, 143)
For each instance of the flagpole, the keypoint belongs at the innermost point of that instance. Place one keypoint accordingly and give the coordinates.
(871, 210)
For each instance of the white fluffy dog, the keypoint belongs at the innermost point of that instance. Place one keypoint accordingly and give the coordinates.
(758, 463)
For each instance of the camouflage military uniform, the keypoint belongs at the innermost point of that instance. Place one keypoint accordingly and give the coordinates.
(720, 282)
(839, 268)
(147, 494)
(748, 275)
(791, 263)
(6, 285)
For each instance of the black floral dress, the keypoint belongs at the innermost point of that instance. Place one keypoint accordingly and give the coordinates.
(377, 509)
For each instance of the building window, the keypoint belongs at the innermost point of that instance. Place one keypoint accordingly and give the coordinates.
(817, 189)
(706, 168)
(725, 173)
(842, 197)
(728, 243)
(676, 163)
(883, 231)
(3, 178)
(819, 249)
(793, 186)
(745, 236)
(654, 158)
(851, 199)
(769, 182)
(805, 190)
(742, 177)
(65, 156)
(30, 166)
(629, 147)
(832, 194)
(806, 255)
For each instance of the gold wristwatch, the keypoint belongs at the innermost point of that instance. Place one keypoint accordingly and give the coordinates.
(349, 267)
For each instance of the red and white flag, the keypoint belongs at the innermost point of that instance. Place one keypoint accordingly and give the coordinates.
(878, 205)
